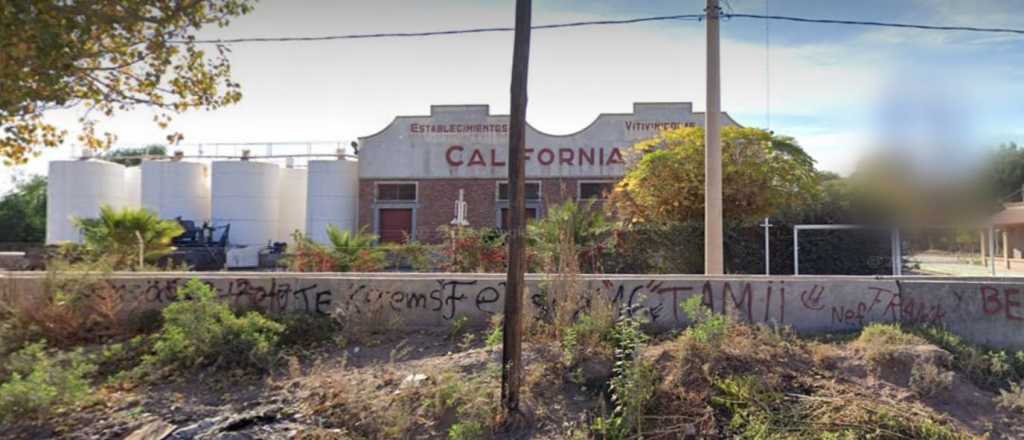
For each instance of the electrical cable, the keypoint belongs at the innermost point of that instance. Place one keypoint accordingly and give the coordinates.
(692, 17)
(880, 24)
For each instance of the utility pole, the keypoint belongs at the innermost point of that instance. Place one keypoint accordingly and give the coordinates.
(767, 248)
(511, 353)
(713, 254)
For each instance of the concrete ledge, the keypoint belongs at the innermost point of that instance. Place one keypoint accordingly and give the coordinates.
(986, 311)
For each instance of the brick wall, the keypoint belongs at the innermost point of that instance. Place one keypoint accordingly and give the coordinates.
(435, 205)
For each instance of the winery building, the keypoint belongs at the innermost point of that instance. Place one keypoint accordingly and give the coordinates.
(412, 172)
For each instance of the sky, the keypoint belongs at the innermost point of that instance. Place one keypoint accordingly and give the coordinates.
(841, 91)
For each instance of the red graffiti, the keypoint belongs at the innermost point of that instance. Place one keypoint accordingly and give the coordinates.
(1006, 301)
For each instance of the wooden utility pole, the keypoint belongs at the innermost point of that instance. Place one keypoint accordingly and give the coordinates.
(713, 254)
(512, 343)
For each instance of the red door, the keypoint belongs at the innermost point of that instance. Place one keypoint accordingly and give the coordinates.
(394, 225)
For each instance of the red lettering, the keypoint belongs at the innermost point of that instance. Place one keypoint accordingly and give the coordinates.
(565, 156)
(1012, 303)
(588, 155)
(990, 296)
(615, 157)
(526, 154)
(495, 162)
(476, 159)
(448, 155)
(551, 156)
(415, 128)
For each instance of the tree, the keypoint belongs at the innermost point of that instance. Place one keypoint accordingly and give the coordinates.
(129, 156)
(120, 236)
(23, 212)
(761, 174)
(104, 56)
(579, 225)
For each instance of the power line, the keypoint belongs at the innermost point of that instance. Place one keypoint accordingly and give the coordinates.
(693, 17)
(880, 24)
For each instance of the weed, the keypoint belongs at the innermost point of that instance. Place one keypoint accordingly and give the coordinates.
(307, 329)
(928, 379)
(633, 386)
(986, 368)
(496, 336)
(706, 326)
(458, 327)
(468, 430)
(39, 381)
(1012, 399)
(881, 342)
(199, 330)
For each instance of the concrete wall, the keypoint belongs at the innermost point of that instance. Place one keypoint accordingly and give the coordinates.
(982, 311)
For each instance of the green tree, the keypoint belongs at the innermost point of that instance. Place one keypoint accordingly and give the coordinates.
(355, 251)
(129, 156)
(761, 174)
(23, 212)
(120, 236)
(105, 56)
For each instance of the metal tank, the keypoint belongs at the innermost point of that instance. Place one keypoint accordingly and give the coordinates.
(133, 187)
(333, 196)
(174, 189)
(292, 215)
(78, 188)
(246, 195)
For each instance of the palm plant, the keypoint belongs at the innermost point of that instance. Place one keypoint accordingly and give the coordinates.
(355, 251)
(128, 237)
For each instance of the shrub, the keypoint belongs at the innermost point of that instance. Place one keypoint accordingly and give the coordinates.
(410, 255)
(928, 379)
(582, 225)
(348, 252)
(984, 367)
(200, 330)
(473, 250)
(127, 236)
(707, 327)
(76, 305)
(1012, 399)
(38, 382)
(633, 386)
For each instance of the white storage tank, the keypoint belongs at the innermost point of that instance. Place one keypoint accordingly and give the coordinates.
(292, 215)
(133, 187)
(78, 188)
(333, 197)
(174, 189)
(246, 195)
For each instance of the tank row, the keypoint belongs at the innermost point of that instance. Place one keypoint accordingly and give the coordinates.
(261, 201)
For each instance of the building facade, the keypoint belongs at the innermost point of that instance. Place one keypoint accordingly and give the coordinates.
(412, 172)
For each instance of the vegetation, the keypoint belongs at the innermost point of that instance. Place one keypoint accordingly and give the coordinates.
(587, 226)
(200, 330)
(761, 173)
(106, 56)
(347, 252)
(23, 212)
(36, 382)
(473, 250)
(128, 238)
(129, 156)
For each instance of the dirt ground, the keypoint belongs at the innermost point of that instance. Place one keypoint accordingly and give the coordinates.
(332, 392)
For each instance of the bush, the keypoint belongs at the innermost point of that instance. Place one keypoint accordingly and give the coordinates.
(77, 305)
(125, 236)
(1012, 399)
(38, 382)
(410, 255)
(928, 379)
(469, 250)
(707, 327)
(200, 330)
(990, 369)
(348, 252)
